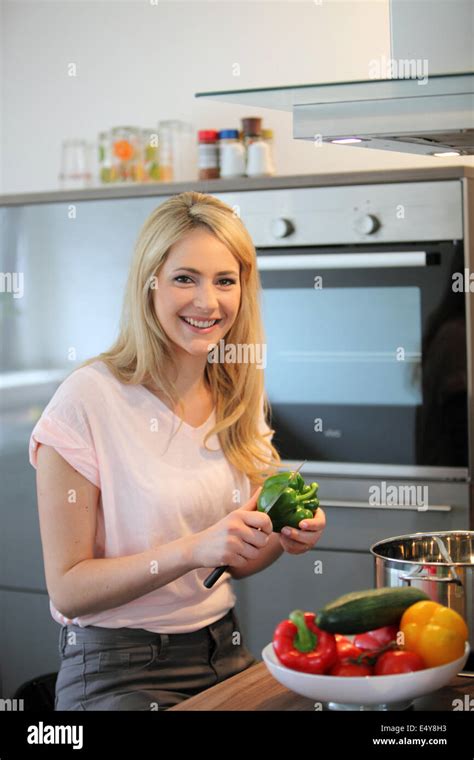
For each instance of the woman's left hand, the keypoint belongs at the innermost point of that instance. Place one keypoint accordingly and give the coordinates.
(307, 535)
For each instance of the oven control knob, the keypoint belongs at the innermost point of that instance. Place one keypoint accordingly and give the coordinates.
(281, 227)
(367, 224)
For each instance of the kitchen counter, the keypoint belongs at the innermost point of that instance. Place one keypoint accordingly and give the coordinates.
(238, 184)
(255, 689)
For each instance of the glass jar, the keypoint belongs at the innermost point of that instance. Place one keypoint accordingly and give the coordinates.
(106, 169)
(75, 167)
(127, 154)
(267, 136)
(165, 151)
(208, 157)
(150, 143)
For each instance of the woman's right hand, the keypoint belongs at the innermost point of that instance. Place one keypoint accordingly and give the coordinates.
(235, 539)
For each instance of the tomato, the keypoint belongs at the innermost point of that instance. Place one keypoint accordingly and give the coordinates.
(377, 638)
(398, 661)
(345, 647)
(350, 669)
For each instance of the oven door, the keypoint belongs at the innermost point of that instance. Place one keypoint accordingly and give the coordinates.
(366, 356)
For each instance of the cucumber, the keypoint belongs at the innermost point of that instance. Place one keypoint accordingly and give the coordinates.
(363, 611)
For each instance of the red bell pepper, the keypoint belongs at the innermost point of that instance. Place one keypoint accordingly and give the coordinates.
(300, 645)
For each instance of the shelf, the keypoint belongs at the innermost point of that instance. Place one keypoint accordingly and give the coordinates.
(240, 184)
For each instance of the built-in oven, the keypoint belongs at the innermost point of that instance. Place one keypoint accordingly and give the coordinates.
(368, 330)
(366, 353)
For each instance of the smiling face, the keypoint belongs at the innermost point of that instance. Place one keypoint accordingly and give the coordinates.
(210, 292)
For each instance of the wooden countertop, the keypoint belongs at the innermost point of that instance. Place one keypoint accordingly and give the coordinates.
(255, 689)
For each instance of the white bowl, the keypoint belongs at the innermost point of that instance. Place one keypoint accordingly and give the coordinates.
(374, 692)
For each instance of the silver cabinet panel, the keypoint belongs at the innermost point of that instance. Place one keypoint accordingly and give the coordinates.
(359, 528)
(28, 639)
(266, 598)
(21, 556)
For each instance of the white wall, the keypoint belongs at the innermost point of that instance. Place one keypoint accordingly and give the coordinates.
(139, 62)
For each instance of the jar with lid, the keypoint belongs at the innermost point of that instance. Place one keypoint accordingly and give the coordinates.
(208, 157)
(127, 154)
(252, 129)
(231, 154)
(150, 143)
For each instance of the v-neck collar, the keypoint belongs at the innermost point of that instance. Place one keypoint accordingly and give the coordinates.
(166, 408)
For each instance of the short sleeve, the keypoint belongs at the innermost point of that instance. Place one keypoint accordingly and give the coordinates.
(65, 425)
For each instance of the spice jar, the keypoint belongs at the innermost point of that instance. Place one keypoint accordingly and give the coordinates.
(208, 158)
(252, 129)
(267, 135)
(259, 160)
(231, 154)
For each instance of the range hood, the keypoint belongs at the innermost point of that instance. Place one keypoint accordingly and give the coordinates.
(419, 100)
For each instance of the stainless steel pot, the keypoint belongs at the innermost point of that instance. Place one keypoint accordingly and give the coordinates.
(441, 564)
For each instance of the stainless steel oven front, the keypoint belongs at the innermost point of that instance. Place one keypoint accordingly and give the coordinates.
(368, 361)
(366, 353)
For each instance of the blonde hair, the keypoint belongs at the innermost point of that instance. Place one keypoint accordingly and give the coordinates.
(142, 346)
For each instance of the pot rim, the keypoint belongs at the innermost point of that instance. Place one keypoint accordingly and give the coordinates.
(423, 534)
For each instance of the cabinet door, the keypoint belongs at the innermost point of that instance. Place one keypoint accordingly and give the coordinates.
(305, 582)
(29, 639)
(21, 555)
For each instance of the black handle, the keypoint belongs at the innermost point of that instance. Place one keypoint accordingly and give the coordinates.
(215, 575)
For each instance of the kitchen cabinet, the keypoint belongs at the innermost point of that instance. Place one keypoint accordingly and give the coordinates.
(21, 568)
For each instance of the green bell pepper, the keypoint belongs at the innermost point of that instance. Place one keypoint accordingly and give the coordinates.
(297, 502)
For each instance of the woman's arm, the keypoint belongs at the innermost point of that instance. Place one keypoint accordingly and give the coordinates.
(77, 583)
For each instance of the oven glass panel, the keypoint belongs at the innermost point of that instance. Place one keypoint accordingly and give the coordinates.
(371, 367)
(344, 345)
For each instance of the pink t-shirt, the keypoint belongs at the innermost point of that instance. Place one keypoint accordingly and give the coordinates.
(151, 491)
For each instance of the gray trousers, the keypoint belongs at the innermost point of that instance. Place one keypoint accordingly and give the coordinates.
(135, 669)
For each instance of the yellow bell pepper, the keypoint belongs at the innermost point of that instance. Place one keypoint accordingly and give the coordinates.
(437, 633)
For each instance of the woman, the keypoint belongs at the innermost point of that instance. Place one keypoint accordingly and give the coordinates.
(135, 507)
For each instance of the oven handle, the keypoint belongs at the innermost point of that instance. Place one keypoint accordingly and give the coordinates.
(401, 507)
(342, 260)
